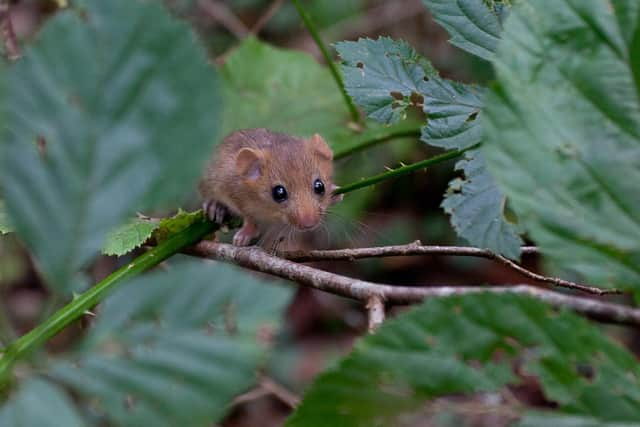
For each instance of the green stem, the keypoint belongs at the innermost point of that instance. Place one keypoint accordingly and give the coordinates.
(403, 170)
(311, 27)
(76, 308)
(376, 136)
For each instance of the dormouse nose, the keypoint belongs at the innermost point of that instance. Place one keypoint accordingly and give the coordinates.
(308, 219)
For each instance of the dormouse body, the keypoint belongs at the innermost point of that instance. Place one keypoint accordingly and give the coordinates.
(269, 179)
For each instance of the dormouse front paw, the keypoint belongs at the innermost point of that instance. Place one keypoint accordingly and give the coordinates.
(215, 211)
(246, 234)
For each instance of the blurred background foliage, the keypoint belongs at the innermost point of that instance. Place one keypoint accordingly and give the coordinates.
(261, 76)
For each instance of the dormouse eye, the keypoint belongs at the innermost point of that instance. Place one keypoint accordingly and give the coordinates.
(318, 187)
(279, 193)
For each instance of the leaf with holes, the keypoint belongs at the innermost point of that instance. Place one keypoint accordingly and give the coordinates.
(39, 403)
(374, 71)
(454, 111)
(173, 347)
(474, 25)
(384, 76)
(476, 207)
(117, 132)
(419, 356)
(563, 133)
(262, 83)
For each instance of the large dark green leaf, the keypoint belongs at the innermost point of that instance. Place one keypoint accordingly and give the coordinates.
(124, 102)
(286, 91)
(467, 345)
(39, 403)
(174, 347)
(476, 206)
(385, 77)
(563, 133)
(474, 25)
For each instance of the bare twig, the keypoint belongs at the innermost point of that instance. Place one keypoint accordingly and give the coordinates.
(417, 248)
(268, 387)
(256, 259)
(11, 47)
(221, 14)
(375, 311)
(285, 396)
(266, 16)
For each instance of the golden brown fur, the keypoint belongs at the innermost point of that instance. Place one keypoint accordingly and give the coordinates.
(249, 163)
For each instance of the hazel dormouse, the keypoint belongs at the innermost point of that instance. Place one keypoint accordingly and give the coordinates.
(272, 180)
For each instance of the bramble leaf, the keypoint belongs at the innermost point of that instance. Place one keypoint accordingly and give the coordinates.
(385, 77)
(382, 75)
(419, 356)
(129, 236)
(174, 347)
(476, 207)
(39, 403)
(563, 134)
(283, 90)
(119, 124)
(474, 25)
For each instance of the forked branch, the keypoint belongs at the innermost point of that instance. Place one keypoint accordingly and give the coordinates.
(256, 259)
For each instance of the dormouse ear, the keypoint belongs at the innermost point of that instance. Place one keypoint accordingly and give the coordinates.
(249, 163)
(320, 146)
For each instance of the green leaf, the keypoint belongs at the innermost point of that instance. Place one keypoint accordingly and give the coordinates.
(385, 77)
(127, 114)
(173, 347)
(286, 91)
(453, 113)
(564, 133)
(554, 419)
(5, 227)
(476, 207)
(39, 403)
(127, 237)
(381, 75)
(474, 25)
(466, 345)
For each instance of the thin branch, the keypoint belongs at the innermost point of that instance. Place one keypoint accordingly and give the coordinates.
(376, 136)
(266, 16)
(11, 47)
(417, 248)
(256, 259)
(402, 170)
(285, 396)
(353, 110)
(221, 13)
(268, 387)
(375, 313)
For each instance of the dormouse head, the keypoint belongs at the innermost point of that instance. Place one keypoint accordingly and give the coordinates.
(289, 179)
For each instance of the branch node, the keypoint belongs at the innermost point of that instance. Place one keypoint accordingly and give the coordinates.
(375, 312)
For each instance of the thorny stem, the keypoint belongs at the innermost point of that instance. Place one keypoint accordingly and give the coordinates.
(403, 170)
(376, 136)
(85, 301)
(353, 110)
